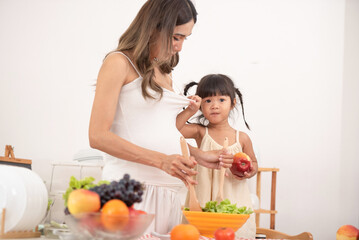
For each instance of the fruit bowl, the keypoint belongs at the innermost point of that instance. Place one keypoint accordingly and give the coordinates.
(100, 226)
(208, 222)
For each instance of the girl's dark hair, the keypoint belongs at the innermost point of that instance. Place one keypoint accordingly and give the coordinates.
(216, 84)
(155, 21)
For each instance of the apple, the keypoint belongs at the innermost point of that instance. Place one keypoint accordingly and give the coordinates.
(135, 212)
(83, 201)
(347, 232)
(241, 163)
(224, 234)
(135, 219)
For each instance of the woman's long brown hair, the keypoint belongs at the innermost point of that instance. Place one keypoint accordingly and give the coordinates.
(156, 20)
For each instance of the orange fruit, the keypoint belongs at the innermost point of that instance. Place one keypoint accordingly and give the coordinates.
(114, 215)
(185, 231)
(115, 207)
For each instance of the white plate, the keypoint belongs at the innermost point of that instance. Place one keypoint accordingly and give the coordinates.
(36, 200)
(24, 196)
(12, 198)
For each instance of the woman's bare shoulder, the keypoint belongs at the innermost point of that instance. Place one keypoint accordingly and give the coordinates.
(116, 59)
(113, 73)
(116, 67)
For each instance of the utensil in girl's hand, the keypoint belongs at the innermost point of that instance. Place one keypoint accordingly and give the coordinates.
(221, 176)
(193, 201)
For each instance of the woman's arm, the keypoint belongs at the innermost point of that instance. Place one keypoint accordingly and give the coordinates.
(114, 73)
(212, 159)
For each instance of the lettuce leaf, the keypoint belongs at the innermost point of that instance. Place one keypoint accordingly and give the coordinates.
(226, 207)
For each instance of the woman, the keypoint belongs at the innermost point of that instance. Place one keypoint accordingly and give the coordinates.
(135, 108)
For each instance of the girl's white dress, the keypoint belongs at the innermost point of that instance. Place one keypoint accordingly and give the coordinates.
(149, 123)
(235, 190)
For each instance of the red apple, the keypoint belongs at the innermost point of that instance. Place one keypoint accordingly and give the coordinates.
(135, 212)
(224, 234)
(135, 220)
(347, 232)
(241, 163)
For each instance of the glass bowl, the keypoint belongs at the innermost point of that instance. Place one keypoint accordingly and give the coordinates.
(100, 226)
(208, 222)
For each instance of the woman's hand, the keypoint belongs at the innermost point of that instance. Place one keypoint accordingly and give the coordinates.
(212, 159)
(177, 166)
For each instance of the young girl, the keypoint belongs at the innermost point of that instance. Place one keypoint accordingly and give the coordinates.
(216, 98)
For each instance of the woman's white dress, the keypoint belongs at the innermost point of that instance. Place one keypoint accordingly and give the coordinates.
(149, 123)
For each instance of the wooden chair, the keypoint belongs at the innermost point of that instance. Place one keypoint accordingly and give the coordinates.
(272, 211)
(273, 234)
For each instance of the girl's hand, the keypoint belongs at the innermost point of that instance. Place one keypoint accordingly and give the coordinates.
(177, 166)
(253, 171)
(195, 104)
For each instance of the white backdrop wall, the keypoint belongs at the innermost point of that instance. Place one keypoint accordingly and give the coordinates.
(349, 178)
(295, 62)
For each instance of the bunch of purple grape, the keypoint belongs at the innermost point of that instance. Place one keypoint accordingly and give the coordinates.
(127, 190)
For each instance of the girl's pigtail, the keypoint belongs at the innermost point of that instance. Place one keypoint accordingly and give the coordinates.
(241, 101)
(188, 86)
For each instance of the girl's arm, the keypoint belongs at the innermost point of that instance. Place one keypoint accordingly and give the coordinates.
(247, 148)
(189, 130)
(114, 73)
